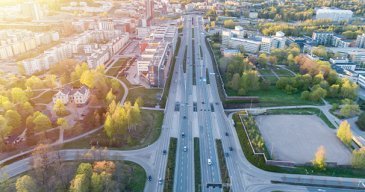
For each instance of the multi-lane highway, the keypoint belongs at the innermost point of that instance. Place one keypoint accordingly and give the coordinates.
(184, 167)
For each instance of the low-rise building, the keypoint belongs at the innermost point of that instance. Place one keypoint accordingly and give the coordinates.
(79, 96)
(249, 45)
(230, 52)
(334, 14)
(360, 41)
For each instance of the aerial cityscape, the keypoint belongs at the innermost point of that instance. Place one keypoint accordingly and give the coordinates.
(182, 95)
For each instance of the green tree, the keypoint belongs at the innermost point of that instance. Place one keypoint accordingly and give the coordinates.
(235, 82)
(79, 184)
(317, 94)
(62, 122)
(25, 184)
(13, 118)
(139, 101)
(344, 133)
(59, 108)
(96, 183)
(361, 121)
(319, 160)
(229, 23)
(350, 110)
(348, 89)
(358, 158)
(262, 59)
(5, 130)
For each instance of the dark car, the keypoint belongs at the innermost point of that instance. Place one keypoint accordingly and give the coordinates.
(164, 152)
(231, 148)
(150, 178)
(226, 133)
(182, 134)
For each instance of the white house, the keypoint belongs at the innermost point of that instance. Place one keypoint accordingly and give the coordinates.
(78, 96)
(62, 95)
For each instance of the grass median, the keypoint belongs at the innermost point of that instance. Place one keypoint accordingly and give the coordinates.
(170, 167)
(197, 168)
(222, 164)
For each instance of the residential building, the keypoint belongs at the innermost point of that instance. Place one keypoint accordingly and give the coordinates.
(249, 45)
(361, 81)
(79, 96)
(340, 41)
(63, 95)
(343, 63)
(323, 38)
(360, 41)
(334, 14)
(275, 42)
(32, 9)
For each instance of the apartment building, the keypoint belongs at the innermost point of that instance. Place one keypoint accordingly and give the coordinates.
(360, 41)
(334, 14)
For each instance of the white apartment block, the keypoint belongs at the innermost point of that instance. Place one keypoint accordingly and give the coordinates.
(334, 14)
(250, 46)
(274, 42)
(360, 41)
(97, 58)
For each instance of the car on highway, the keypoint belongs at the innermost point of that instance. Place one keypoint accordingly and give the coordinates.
(184, 117)
(182, 134)
(226, 133)
(160, 181)
(150, 178)
(230, 148)
(164, 152)
(209, 162)
(185, 148)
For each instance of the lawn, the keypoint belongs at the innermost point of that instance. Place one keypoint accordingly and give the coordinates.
(44, 98)
(135, 180)
(150, 97)
(283, 72)
(197, 168)
(170, 167)
(275, 97)
(117, 66)
(264, 72)
(222, 164)
(259, 161)
(150, 130)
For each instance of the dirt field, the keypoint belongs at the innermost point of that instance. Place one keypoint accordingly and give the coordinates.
(297, 137)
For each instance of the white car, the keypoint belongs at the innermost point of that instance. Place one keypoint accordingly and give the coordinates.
(185, 148)
(209, 162)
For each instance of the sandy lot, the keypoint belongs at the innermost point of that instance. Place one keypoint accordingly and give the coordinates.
(296, 138)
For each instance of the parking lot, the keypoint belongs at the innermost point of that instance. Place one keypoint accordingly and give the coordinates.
(296, 138)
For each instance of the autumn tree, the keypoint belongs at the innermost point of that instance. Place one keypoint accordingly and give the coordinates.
(358, 158)
(25, 184)
(42, 162)
(5, 130)
(110, 97)
(262, 59)
(59, 108)
(344, 133)
(13, 118)
(319, 160)
(18, 95)
(41, 121)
